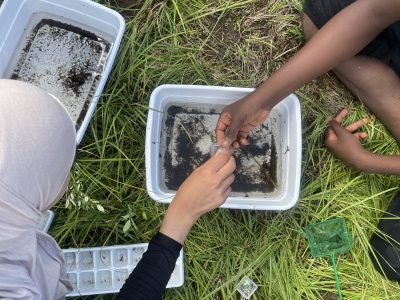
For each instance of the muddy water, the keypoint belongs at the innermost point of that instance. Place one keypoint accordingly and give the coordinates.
(65, 60)
(187, 134)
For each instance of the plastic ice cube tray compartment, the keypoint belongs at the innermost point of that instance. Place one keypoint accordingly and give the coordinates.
(103, 270)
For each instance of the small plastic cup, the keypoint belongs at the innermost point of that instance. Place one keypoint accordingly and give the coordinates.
(246, 287)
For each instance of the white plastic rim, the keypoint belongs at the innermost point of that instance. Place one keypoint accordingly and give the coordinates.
(15, 15)
(45, 220)
(287, 195)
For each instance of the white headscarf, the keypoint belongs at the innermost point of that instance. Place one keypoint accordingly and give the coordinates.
(37, 148)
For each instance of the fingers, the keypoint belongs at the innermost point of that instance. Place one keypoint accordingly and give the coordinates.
(228, 168)
(231, 133)
(235, 144)
(234, 131)
(226, 183)
(341, 115)
(220, 158)
(227, 193)
(361, 135)
(226, 130)
(244, 132)
(338, 129)
(338, 118)
(245, 129)
(356, 125)
(351, 127)
(223, 123)
(222, 198)
(243, 140)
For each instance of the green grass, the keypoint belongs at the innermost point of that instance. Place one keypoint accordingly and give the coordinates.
(230, 43)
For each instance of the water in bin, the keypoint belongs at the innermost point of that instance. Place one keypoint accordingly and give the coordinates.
(329, 238)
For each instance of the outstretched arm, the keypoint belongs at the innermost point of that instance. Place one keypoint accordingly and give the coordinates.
(342, 37)
(344, 143)
(205, 189)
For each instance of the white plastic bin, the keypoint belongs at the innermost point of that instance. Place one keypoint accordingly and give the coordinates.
(45, 221)
(17, 18)
(103, 270)
(287, 193)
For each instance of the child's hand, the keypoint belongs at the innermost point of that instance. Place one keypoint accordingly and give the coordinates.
(344, 142)
(236, 121)
(204, 190)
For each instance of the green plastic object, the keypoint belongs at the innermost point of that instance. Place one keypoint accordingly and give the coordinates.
(329, 238)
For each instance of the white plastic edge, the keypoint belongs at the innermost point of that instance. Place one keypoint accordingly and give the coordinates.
(106, 72)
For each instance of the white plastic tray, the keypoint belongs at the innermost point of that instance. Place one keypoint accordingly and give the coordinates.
(103, 270)
(45, 221)
(285, 197)
(15, 17)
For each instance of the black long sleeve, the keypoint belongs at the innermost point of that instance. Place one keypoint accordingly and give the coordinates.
(151, 275)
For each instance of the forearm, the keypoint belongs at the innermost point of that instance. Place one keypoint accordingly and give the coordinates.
(380, 164)
(176, 225)
(150, 277)
(341, 38)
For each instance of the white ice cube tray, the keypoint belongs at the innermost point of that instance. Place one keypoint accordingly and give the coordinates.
(103, 270)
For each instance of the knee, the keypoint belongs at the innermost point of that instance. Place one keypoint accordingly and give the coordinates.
(309, 28)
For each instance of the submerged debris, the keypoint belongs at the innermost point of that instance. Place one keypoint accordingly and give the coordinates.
(188, 133)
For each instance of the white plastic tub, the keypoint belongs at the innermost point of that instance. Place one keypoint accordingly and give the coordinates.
(45, 221)
(287, 192)
(18, 18)
(103, 270)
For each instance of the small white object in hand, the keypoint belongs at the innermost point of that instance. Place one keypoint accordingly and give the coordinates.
(213, 149)
(246, 287)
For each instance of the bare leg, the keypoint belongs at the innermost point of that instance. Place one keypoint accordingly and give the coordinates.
(375, 83)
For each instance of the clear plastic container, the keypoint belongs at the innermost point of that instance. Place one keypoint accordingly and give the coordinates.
(246, 287)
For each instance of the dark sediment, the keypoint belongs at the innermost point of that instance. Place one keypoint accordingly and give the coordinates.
(188, 157)
(78, 81)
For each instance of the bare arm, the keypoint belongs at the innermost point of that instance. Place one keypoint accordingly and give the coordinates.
(342, 37)
(381, 164)
(205, 189)
(344, 143)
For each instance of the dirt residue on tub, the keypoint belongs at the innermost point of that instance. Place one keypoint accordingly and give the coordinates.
(188, 132)
(64, 60)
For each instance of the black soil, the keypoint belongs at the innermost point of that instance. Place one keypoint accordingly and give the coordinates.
(188, 157)
(76, 77)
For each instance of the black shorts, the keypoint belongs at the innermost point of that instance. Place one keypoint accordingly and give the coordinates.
(385, 47)
(386, 250)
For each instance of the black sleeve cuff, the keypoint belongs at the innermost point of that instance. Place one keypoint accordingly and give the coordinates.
(165, 241)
